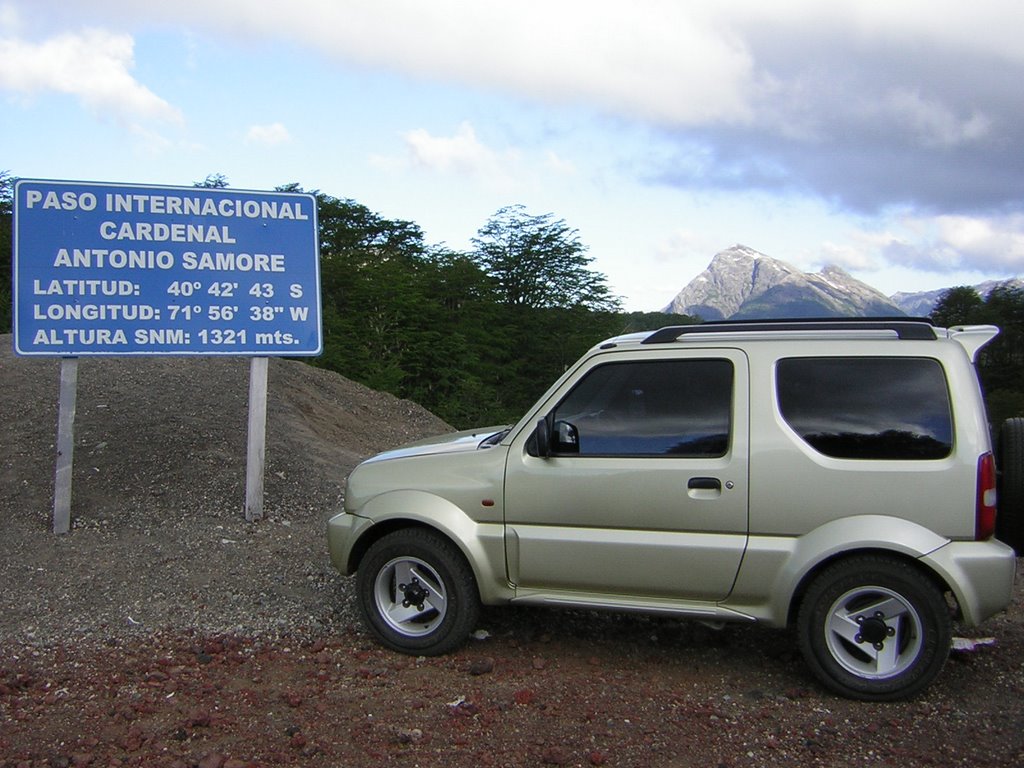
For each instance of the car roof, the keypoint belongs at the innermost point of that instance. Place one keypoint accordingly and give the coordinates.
(972, 337)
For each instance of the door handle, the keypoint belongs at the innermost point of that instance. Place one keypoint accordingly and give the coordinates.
(704, 484)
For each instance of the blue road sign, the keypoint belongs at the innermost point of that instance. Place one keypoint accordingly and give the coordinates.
(108, 269)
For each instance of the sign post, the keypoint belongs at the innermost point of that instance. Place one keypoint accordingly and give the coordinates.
(65, 444)
(107, 269)
(256, 454)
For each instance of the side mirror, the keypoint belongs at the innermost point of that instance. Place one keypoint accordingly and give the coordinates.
(543, 436)
(567, 438)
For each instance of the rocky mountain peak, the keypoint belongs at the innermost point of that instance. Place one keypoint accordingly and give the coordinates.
(741, 282)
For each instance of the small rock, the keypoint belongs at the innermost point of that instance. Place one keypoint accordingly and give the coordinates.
(211, 760)
(556, 756)
(524, 696)
(464, 709)
(481, 666)
(200, 719)
(408, 735)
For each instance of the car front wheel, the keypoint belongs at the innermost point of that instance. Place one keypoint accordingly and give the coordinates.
(416, 592)
(874, 628)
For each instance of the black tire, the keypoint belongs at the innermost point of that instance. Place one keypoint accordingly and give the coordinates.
(1010, 515)
(874, 628)
(416, 592)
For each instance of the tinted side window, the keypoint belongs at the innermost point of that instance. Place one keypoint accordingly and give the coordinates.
(677, 408)
(868, 408)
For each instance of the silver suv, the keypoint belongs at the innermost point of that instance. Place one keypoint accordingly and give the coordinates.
(833, 476)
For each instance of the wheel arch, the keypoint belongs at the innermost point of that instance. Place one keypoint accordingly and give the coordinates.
(776, 569)
(800, 590)
(480, 544)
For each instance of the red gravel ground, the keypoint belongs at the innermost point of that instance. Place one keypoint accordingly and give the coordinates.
(547, 689)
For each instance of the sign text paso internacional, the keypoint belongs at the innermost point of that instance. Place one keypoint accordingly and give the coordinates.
(105, 269)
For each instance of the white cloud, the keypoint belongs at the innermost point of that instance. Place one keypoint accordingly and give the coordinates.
(671, 62)
(267, 135)
(695, 63)
(995, 243)
(939, 244)
(92, 65)
(461, 154)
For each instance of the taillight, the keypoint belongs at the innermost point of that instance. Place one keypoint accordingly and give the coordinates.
(985, 511)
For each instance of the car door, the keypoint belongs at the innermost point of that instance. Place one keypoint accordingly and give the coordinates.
(645, 491)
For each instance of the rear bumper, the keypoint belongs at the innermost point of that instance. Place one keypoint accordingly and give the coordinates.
(980, 574)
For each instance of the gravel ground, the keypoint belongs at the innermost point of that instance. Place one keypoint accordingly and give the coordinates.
(165, 630)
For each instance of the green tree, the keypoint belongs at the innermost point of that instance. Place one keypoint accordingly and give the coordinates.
(370, 299)
(549, 306)
(539, 262)
(212, 181)
(1001, 362)
(957, 306)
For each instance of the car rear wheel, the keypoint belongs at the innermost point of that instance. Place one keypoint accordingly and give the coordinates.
(1010, 515)
(416, 592)
(874, 628)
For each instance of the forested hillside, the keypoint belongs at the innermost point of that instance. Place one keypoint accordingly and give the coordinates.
(475, 337)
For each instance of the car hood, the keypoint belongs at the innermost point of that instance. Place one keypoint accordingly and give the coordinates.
(454, 442)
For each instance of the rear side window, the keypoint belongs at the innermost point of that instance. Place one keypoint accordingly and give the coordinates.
(672, 408)
(868, 408)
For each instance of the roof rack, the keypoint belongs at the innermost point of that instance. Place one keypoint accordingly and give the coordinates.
(917, 329)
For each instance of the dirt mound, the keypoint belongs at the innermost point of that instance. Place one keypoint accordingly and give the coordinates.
(158, 533)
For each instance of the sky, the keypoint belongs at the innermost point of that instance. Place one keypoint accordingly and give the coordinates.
(884, 138)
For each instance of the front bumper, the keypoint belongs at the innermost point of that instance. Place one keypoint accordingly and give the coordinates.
(343, 530)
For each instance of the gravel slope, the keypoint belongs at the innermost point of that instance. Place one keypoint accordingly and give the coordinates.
(159, 537)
